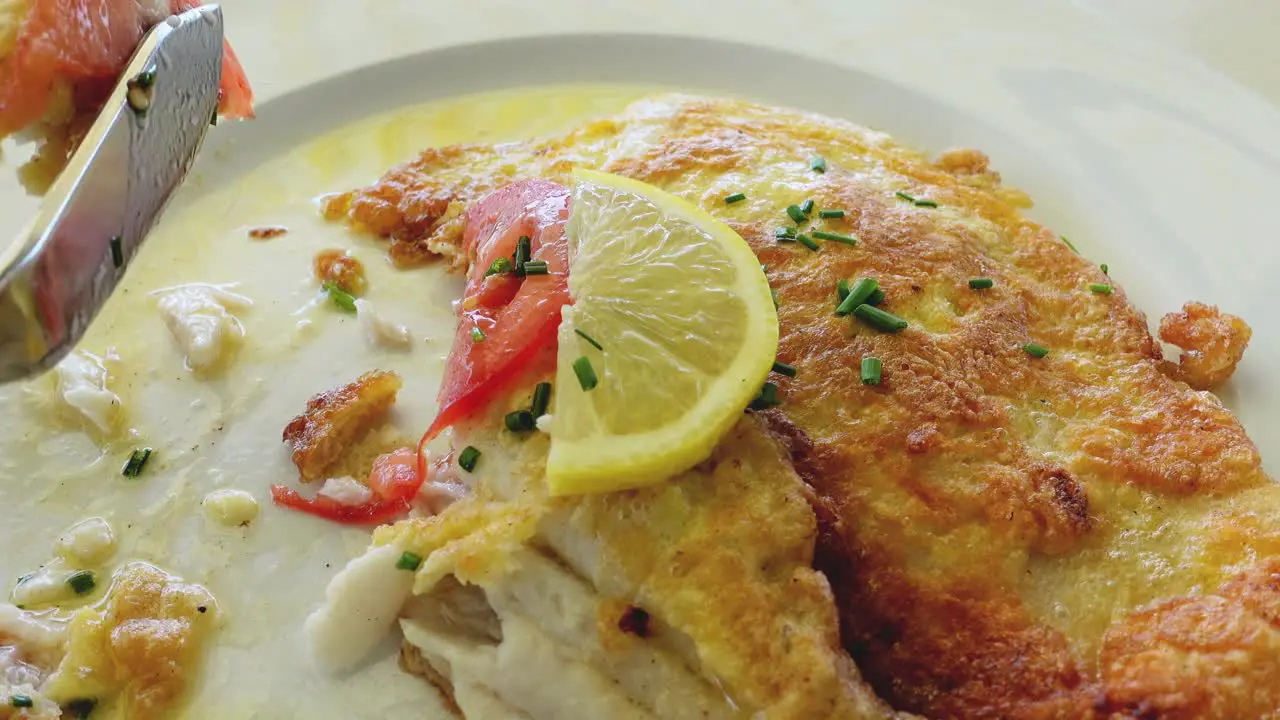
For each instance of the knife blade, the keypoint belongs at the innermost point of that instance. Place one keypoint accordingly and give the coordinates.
(60, 271)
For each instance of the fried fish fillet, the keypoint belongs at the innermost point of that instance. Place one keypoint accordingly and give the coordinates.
(1078, 535)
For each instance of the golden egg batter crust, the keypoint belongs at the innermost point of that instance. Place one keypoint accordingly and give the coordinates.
(1080, 535)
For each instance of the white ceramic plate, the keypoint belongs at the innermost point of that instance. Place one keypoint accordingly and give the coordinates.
(1150, 164)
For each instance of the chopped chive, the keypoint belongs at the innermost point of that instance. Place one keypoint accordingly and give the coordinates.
(586, 374)
(784, 369)
(117, 250)
(871, 369)
(818, 164)
(341, 298)
(796, 214)
(592, 341)
(520, 421)
(774, 294)
(905, 196)
(831, 214)
(807, 207)
(137, 459)
(857, 296)
(784, 234)
(1035, 351)
(523, 252)
(982, 283)
(82, 583)
(1100, 288)
(879, 319)
(837, 237)
(1105, 270)
(468, 457)
(477, 335)
(767, 398)
(926, 203)
(535, 267)
(806, 241)
(736, 197)
(842, 290)
(21, 701)
(82, 708)
(877, 298)
(541, 399)
(501, 266)
(1069, 244)
(409, 561)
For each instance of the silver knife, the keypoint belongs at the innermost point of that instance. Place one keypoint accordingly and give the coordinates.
(59, 272)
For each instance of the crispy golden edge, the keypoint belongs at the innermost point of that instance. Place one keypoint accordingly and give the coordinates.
(412, 662)
(1212, 342)
(336, 419)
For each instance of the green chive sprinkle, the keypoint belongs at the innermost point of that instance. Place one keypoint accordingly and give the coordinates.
(982, 283)
(858, 295)
(807, 207)
(1035, 351)
(523, 253)
(341, 298)
(877, 298)
(21, 701)
(541, 399)
(796, 214)
(520, 421)
(501, 266)
(82, 708)
(82, 582)
(1069, 244)
(905, 196)
(926, 203)
(774, 294)
(784, 369)
(818, 164)
(871, 368)
(477, 335)
(117, 250)
(468, 457)
(736, 197)
(590, 340)
(830, 214)
(806, 241)
(137, 459)
(837, 237)
(586, 374)
(767, 398)
(535, 267)
(1105, 270)
(842, 291)
(1100, 288)
(785, 234)
(879, 319)
(409, 561)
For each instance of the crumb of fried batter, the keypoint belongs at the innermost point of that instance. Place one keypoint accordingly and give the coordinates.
(1212, 343)
(341, 269)
(143, 643)
(337, 419)
(267, 232)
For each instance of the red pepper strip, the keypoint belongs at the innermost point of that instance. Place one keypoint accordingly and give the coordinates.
(376, 512)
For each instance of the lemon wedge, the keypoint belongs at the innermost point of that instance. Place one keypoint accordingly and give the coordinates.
(671, 333)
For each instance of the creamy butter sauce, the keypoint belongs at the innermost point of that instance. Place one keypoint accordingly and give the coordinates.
(219, 429)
